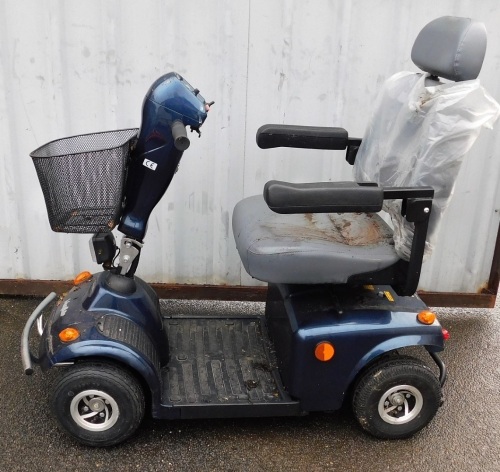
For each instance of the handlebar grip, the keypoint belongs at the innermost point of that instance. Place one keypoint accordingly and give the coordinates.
(181, 141)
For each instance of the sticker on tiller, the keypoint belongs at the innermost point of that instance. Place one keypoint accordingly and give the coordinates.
(150, 164)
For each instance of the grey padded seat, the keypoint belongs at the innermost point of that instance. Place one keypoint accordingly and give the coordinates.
(309, 248)
(328, 248)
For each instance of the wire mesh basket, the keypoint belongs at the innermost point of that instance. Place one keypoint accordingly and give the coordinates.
(83, 179)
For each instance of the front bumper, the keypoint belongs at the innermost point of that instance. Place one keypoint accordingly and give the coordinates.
(27, 357)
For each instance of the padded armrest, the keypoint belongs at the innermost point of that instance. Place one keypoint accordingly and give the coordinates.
(306, 137)
(323, 197)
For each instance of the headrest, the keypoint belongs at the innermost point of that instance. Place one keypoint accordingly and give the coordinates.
(451, 47)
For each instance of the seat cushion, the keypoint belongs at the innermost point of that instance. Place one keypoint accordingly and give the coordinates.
(310, 248)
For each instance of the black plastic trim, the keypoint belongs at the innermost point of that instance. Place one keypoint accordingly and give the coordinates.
(322, 197)
(397, 193)
(305, 137)
(127, 332)
(352, 150)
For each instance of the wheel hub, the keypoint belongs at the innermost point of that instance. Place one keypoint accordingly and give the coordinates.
(94, 410)
(97, 405)
(400, 404)
(397, 399)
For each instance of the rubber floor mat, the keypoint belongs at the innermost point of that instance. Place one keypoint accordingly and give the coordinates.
(219, 361)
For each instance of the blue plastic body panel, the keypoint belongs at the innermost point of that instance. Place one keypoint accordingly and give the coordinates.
(362, 325)
(124, 328)
(169, 99)
(141, 306)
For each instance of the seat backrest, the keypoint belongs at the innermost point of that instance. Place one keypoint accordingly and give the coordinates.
(421, 128)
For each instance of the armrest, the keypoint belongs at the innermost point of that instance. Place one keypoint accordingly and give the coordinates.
(343, 197)
(323, 197)
(307, 137)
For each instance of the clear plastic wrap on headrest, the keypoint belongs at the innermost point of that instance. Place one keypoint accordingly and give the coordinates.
(418, 136)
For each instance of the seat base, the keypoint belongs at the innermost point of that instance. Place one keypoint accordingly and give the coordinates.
(310, 248)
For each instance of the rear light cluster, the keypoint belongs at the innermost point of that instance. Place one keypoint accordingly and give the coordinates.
(427, 317)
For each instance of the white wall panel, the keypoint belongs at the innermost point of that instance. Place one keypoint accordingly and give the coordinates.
(75, 67)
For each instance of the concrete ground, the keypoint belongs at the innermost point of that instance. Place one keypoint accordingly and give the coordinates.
(463, 436)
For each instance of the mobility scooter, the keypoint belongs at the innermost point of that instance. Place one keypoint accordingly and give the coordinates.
(341, 301)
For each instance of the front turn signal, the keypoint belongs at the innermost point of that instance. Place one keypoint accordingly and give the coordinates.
(82, 277)
(69, 334)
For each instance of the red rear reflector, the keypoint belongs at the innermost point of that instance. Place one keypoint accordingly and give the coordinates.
(446, 334)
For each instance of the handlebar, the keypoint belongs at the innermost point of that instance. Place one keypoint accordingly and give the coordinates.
(181, 141)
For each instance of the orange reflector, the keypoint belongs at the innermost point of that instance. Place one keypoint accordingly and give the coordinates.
(324, 351)
(69, 334)
(82, 277)
(426, 317)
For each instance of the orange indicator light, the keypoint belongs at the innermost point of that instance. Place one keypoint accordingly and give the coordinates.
(69, 334)
(324, 351)
(426, 317)
(82, 277)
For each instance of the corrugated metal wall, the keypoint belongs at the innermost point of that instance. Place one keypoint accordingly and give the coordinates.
(74, 67)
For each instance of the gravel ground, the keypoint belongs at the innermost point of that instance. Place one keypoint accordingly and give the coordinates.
(463, 436)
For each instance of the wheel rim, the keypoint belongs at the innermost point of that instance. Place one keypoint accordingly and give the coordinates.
(400, 404)
(94, 410)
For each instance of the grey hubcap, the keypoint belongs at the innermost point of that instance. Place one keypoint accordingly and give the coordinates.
(400, 404)
(94, 410)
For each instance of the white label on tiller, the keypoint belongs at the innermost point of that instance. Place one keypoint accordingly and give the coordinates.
(149, 164)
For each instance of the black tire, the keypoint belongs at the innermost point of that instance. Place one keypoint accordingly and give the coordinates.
(396, 398)
(117, 408)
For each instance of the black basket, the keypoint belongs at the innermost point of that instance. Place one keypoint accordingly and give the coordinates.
(83, 179)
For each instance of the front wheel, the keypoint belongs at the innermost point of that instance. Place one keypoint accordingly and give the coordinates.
(98, 404)
(396, 398)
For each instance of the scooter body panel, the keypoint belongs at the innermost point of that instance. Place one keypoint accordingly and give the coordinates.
(120, 324)
(214, 354)
(360, 325)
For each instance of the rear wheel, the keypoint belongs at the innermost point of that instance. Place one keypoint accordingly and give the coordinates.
(98, 404)
(396, 398)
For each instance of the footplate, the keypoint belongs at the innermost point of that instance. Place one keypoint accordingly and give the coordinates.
(222, 363)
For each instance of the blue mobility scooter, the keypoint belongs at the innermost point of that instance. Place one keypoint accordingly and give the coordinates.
(338, 311)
